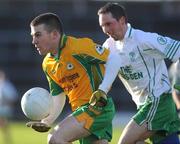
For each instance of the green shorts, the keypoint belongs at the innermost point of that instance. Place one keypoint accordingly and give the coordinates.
(160, 115)
(97, 120)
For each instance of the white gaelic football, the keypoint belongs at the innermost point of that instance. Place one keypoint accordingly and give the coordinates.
(36, 103)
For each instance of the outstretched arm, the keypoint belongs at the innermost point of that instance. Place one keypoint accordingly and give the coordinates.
(111, 72)
(99, 97)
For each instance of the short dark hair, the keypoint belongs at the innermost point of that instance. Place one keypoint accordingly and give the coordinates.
(115, 9)
(51, 20)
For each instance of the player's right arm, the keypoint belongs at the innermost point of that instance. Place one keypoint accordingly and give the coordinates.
(45, 124)
(59, 99)
(111, 72)
(58, 105)
(112, 68)
(97, 54)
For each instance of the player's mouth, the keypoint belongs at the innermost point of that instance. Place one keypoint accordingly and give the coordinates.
(37, 47)
(112, 36)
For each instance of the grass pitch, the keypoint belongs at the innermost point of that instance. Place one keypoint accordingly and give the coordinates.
(20, 134)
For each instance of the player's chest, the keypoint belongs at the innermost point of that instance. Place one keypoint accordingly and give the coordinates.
(131, 55)
(134, 62)
(66, 69)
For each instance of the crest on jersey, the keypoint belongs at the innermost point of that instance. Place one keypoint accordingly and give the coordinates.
(70, 66)
(132, 56)
(99, 49)
(161, 40)
(53, 71)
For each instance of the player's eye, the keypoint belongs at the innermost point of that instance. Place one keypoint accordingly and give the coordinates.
(37, 35)
(108, 24)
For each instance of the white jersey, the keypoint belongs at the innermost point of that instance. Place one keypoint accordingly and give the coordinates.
(141, 63)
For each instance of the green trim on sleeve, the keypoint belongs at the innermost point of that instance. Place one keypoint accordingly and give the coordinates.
(55, 89)
(91, 65)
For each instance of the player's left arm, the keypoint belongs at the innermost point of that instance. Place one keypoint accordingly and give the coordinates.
(159, 46)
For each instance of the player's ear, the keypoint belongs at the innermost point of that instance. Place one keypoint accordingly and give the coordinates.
(55, 34)
(122, 20)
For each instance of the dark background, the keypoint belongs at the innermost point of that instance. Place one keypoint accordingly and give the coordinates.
(21, 61)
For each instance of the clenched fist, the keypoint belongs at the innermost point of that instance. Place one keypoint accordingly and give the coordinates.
(98, 98)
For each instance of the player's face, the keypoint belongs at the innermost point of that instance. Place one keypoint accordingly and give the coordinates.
(111, 26)
(41, 39)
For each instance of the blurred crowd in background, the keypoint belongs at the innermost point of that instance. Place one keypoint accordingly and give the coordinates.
(21, 62)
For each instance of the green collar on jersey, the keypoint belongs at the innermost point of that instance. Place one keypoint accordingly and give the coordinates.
(128, 32)
(62, 43)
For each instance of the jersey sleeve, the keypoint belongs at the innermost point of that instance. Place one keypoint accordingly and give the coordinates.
(93, 52)
(112, 68)
(55, 89)
(164, 46)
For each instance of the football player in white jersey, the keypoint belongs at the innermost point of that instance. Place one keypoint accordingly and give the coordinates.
(138, 60)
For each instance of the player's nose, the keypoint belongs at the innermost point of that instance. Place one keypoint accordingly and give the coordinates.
(106, 30)
(34, 41)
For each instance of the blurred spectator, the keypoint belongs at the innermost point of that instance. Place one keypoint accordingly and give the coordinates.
(174, 74)
(8, 97)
